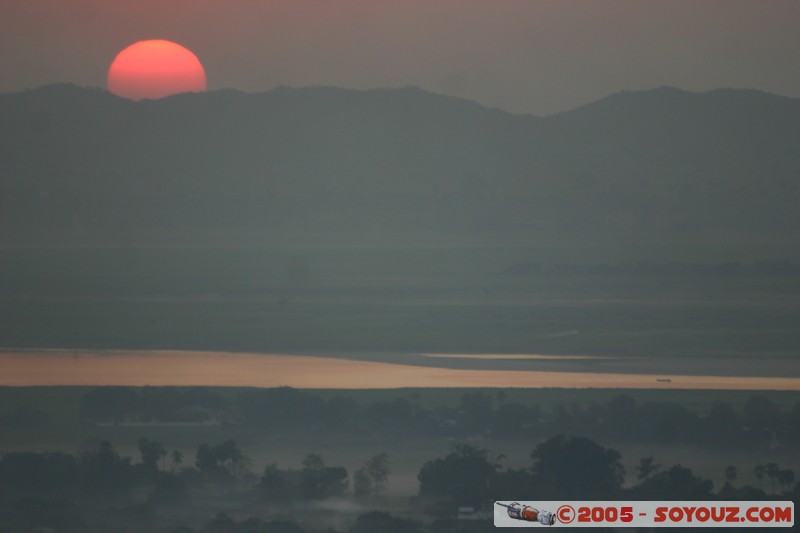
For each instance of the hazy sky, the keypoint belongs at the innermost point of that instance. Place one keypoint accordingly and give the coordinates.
(521, 55)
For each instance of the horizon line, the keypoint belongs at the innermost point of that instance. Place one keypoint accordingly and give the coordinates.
(278, 88)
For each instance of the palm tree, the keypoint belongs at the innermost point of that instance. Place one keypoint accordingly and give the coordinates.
(786, 478)
(378, 471)
(772, 473)
(177, 458)
(646, 468)
(730, 474)
(759, 471)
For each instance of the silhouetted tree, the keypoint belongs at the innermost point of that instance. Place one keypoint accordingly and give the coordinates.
(362, 485)
(313, 461)
(646, 468)
(103, 471)
(759, 471)
(509, 483)
(205, 459)
(151, 451)
(177, 458)
(745, 493)
(785, 478)
(676, 483)
(577, 467)
(274, 485)
(320, 481)
(772, 473)
(730, 473)
(464, 475)
(378, 470)
(222, 461)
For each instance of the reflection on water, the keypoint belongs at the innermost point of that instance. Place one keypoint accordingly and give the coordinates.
(173, 368)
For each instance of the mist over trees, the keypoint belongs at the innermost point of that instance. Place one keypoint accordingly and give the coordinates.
(100, 490)
(572, 452)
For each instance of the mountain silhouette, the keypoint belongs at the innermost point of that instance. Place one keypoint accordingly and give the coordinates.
(80, 165)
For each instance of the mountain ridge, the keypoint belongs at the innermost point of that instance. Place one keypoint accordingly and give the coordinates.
(664, 164)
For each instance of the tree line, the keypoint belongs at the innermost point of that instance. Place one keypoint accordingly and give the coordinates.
(759, 422)
(561, 467)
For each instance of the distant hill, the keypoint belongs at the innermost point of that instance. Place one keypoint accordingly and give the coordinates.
(83, 166)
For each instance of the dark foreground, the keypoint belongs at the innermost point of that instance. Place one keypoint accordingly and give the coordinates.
(284, 460)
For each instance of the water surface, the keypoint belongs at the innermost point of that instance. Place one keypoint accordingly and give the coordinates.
(185, 368)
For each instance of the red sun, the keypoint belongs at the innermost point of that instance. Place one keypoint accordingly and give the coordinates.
(155, 69)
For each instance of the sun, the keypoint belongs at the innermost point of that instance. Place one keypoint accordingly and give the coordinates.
(155, 69)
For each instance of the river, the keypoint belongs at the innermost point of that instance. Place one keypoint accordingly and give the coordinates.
(225, 369)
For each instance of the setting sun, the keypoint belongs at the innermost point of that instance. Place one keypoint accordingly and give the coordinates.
(155, 69)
